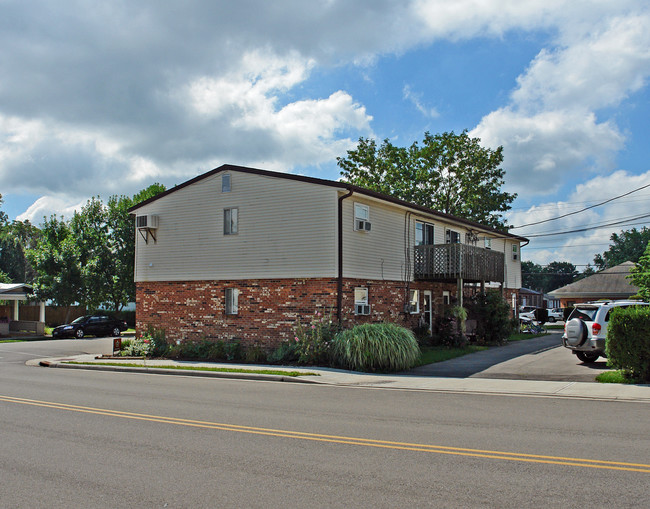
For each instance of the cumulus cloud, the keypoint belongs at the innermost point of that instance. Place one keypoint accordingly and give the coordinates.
(551, 129)
(109, 97)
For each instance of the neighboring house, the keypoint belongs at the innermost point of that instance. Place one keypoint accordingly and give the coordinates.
(240, 253)
(10, 322)
(528, 297)
(610, 284)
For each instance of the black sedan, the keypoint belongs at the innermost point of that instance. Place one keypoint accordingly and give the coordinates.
(90, 325)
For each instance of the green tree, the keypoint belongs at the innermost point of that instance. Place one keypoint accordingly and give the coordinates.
(640, 274)
(547, 278)
(89, 259)
(628, 246)
(559, 274)
(15, 239)
(56, 262)
(449, 172)
(531, 275)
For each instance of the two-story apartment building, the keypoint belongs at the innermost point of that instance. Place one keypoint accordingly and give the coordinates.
(241, 253)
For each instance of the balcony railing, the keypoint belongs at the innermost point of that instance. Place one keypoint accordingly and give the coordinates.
(446, 262)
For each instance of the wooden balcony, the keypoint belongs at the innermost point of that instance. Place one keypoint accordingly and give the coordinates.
(450, 262)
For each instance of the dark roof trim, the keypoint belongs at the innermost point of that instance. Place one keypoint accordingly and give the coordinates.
(329, 183)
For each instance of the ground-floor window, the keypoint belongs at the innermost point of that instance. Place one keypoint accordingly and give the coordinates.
(361, 306)
(232, 301)
(414, 301)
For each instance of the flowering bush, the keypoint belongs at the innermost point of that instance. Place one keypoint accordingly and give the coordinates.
(137, 347)
(313, 340)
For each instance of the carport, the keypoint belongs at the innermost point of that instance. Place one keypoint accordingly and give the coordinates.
(16, 293)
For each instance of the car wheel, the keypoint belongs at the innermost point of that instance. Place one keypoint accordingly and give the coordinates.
(116, 331)
(587, 357)
(79, 334)
(551, 319)
(576, 332)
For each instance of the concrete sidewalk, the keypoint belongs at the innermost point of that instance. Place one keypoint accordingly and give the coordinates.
(325, 376)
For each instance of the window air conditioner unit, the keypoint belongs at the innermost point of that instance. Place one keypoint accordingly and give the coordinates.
(363, 225)
(361, 309)
(147, 221)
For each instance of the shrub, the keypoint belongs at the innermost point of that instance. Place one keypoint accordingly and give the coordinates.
(136, 347)
(376, 347)
(286, 353)
(255, 354)
(445, 331)
(492, 315)
(628, 342)
(158, 341)
(313, 341)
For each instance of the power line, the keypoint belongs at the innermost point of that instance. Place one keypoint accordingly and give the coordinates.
(616, 223)
(642, 197)
(569, 247)
(582, 210)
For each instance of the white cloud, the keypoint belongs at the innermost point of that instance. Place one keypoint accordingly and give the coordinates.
(541, 149)
(416, 100)
(597, 70)
(47, 206)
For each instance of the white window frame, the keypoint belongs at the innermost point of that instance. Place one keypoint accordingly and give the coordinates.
(362, 301)
(231, 306)
(361, 213)
(446, 297)
(226, 183)
(424, 226)
(414, 302)
(488, 243)
(230, 226)
(515, 252)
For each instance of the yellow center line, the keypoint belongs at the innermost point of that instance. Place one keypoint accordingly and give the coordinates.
(316, 437)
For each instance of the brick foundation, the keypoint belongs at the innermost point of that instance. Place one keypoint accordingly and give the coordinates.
(268, 309)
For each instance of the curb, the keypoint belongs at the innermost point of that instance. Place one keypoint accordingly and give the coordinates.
(180, 372)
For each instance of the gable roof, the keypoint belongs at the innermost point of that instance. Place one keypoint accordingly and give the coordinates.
(330, 183)
(609, 284)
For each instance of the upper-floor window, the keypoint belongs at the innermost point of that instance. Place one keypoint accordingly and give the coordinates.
(423, 234)
(452, 237)
(225, 183)
(488, 243)
(515, 252)
(230, 221)
(361, 217)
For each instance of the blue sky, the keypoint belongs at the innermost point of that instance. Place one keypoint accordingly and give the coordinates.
(107, 98)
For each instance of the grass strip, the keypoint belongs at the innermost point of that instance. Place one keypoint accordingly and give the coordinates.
(200, 368)
(613, 377)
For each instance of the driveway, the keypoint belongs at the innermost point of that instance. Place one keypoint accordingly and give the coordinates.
(541, 358)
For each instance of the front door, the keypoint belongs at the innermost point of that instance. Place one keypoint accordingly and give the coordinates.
(427, 309)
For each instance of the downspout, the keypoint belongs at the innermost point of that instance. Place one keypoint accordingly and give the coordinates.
(339, 283)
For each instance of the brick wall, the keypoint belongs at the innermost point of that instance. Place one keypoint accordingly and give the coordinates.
(268, 309)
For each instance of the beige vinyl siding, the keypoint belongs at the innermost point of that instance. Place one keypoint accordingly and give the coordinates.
(380, 254)
(287, 229)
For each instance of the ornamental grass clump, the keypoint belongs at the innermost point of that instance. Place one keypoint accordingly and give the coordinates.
(376, 347)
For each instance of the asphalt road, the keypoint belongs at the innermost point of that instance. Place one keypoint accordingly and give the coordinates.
(74, 438)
